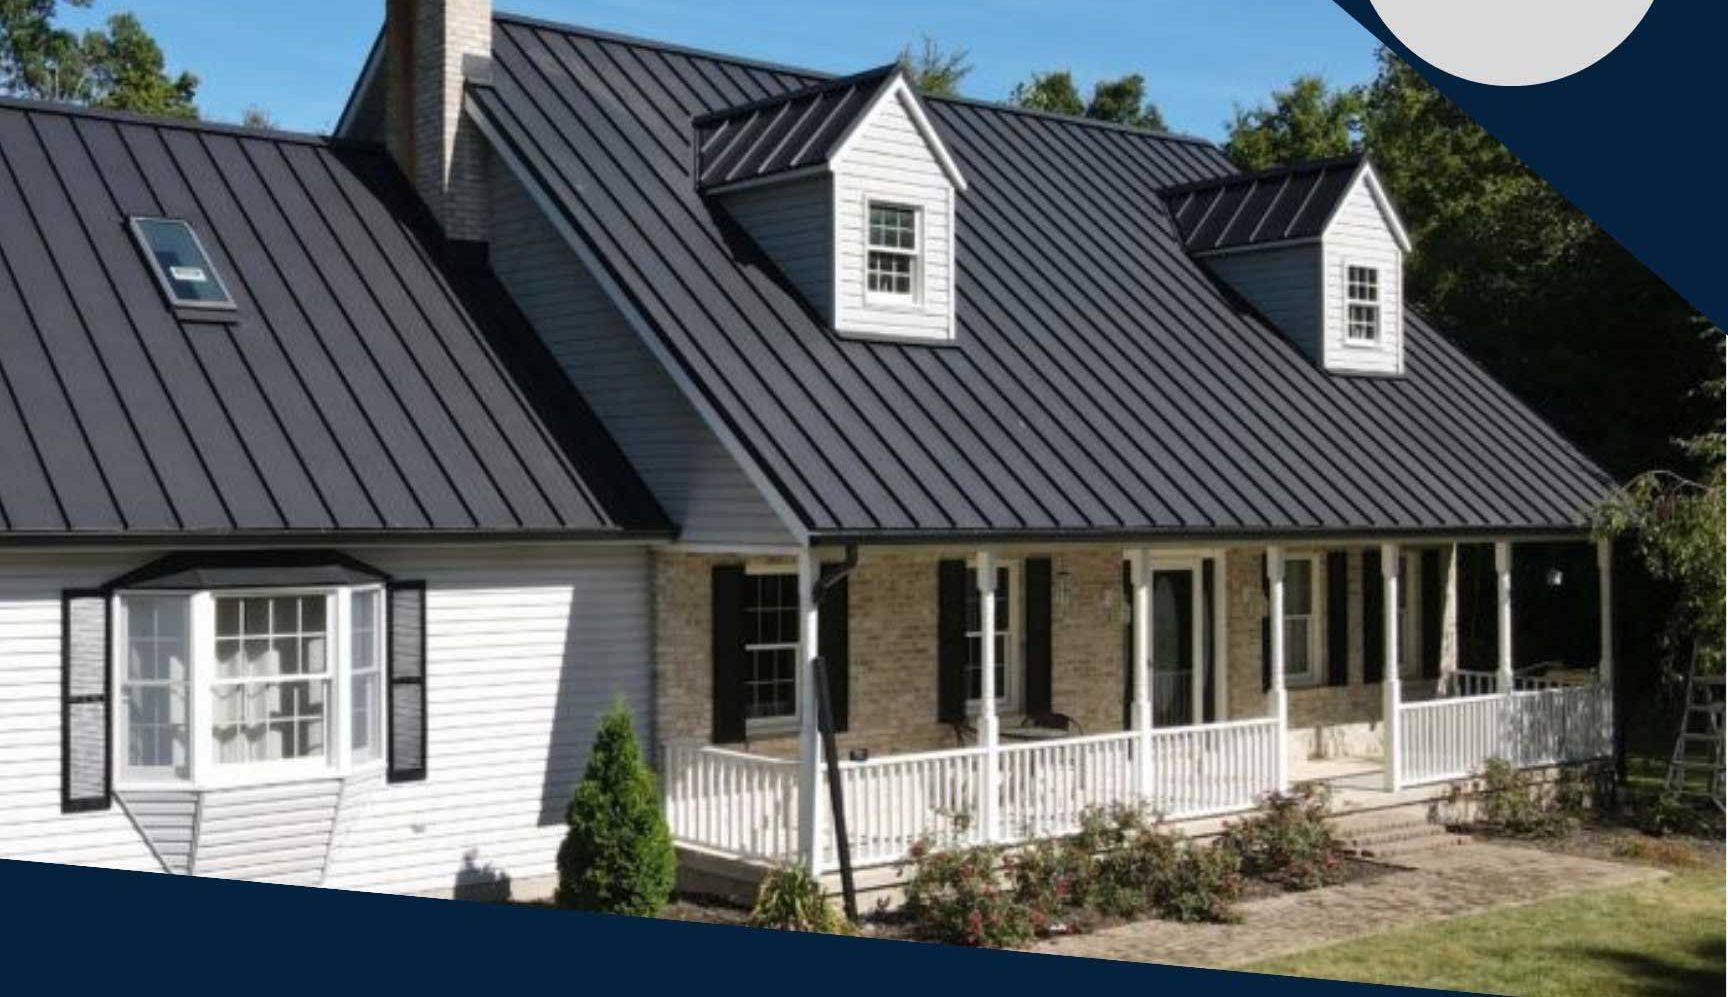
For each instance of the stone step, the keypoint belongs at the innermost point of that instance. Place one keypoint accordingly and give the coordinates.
(1414, 846)
(1400, 835)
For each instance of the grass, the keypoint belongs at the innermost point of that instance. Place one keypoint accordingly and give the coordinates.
(1660, 939)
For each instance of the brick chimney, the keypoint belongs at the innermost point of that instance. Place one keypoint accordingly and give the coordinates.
(431, 48)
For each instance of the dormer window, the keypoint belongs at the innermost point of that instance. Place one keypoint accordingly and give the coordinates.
(892, 269)
(1362, 296)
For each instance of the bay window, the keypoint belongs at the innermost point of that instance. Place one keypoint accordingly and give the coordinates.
(233, 686)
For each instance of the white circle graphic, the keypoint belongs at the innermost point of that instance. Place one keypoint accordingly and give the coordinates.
(1512, 43)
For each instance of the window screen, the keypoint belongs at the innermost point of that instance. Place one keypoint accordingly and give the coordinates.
(182, 268)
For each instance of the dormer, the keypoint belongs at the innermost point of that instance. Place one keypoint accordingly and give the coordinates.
(1317, 248)
(847, 187)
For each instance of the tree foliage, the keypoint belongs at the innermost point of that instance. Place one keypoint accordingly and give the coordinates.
(1121, 101)
(119, 67)
(1676, 525)
(617, 857)
(934, 70)
(1307, 120)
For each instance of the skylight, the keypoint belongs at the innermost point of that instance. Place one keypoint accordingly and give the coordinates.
(182, 268)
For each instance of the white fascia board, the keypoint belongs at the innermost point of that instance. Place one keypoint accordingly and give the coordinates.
(899, 89)
(644, 330)
(1366, 175)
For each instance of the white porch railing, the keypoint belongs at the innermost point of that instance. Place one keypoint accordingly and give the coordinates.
(1451, 738)
(746, 805)
(731, 802)
(1472, 683)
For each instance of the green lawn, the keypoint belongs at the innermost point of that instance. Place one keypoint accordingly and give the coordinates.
(1660, 939)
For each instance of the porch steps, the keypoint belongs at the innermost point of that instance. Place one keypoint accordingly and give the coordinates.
(1387, 834)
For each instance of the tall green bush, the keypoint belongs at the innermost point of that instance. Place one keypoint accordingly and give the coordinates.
(617, 857)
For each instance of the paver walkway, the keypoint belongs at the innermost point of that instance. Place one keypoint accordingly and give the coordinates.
(1440, 884)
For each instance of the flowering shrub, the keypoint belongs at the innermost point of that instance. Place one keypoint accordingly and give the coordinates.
(961, 895)
(1140, 867)
(1203, 885)
(791, 899)
(1052, 879)
(1288, 841)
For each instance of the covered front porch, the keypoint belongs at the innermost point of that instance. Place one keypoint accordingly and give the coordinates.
(1189, 680)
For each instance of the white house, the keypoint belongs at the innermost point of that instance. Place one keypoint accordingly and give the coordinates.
(348, 479)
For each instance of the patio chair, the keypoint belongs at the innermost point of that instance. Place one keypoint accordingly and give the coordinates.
(1053, 721)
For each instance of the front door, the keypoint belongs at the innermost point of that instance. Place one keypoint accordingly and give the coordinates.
(1178, 672)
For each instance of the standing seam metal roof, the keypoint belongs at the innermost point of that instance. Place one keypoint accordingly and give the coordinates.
(1251, 209)
(359, 388)
(781, 134)
(1101, 383)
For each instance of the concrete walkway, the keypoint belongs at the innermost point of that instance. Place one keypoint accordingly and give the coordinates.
(1445, 883)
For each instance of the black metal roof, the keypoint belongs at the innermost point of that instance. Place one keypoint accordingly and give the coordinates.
(360, 388)
(1101, 383)
(785, 132)
(1285, 204)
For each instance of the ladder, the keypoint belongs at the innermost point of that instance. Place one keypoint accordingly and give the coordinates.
(1696, 766)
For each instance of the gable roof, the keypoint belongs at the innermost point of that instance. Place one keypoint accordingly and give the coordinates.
(1101, 382)
(360, 388)
(1285, 204)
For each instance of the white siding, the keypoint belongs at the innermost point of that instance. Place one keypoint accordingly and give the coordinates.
(168, 819)
(1283, 285)
(702, 488)
(525, 648)
(1359, 236)
(889, 160)
(791, 222)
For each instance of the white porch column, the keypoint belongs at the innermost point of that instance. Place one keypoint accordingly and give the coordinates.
(989, 733)
(1503, 610)
(1392, 689)
(1448, 622)
(809, 739)
(1140, 572)
(1605, 594)
(1220, 639)
(1280, 696)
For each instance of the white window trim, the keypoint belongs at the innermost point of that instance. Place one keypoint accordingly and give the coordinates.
(1378, 341)
(205, 773)
(791, 722)
(1012, 695)
(886, 300)
(1314, 676)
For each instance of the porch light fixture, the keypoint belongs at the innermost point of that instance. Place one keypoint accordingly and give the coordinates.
(1556, 578)
(1063, 591)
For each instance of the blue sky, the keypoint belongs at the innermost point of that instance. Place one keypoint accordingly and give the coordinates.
(1200, 57)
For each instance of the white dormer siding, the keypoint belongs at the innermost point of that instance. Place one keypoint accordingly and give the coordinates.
(1303, 287)
(1362, 235)
(813, 220)
(891, 163)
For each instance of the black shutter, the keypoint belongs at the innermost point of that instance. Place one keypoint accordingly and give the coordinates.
(727, 629)
(1337, 618)
(1037, 630)
(406, 666)
(1373, 619)
(1265, 629)
(951, 642)
(833, 640)
(86, 764)
(1431, 609)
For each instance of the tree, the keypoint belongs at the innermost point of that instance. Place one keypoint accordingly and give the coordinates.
(119, 67)
(1307, 120)
(255, 116)
(1676, 526)
(617, 857)
(934, 71)
(1121, 101)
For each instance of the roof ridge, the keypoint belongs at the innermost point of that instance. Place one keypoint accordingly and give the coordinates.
(821, 86)
(188, 124)
(1288, 169)
(821, 76)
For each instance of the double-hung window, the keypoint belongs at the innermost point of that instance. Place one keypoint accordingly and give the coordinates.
(891, 272)
(1362, 302)
(1003, 636)
(223, 687)
(1301, 644)
(771, 650)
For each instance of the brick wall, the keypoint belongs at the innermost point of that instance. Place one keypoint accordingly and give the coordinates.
(436, 145)
(893, 650)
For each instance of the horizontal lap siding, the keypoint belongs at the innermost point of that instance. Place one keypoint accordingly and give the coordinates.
(791, 223)
(1359, 237)
(697, 482)
(525, 646)
(890, 161)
